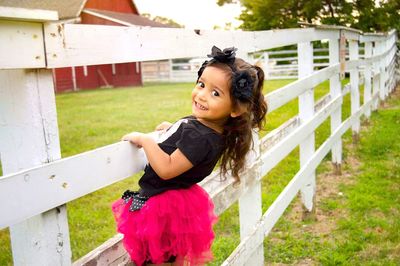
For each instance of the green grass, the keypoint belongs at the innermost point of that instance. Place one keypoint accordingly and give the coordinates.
(90, 119)
(358, 222)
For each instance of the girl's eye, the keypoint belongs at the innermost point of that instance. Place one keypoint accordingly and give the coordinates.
(201, 84)
(215, 93)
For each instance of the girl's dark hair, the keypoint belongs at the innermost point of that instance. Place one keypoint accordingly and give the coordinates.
(238, 130)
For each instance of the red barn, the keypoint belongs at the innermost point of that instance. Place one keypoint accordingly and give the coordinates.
(104, 12)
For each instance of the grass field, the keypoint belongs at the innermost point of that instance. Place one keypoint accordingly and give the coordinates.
(90, 119)
(358, 213)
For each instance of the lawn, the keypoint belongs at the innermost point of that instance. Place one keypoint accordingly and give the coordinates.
(358, 213)
(90, 119)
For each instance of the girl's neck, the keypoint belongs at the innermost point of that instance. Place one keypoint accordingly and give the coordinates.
(217, 126)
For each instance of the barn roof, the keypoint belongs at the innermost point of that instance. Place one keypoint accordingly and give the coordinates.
(65, 9)
(125, 18)
(73, 8)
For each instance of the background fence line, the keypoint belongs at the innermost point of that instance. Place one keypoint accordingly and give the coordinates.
(282, 64)
(39, 231)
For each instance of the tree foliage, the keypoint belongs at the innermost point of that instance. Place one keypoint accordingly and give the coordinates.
(365, 15)
(163, 20)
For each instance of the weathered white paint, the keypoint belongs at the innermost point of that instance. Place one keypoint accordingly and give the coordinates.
(61, 180)
(380, 49)
(368, 76)
(306, 112)
(278, 38)
(250, 204)
(348, 33)
(281, 149)
(15, 37)
(111, 253)
(336, 117)
(16, 13)
(355, 90)
(86, 42)
(378, 36)
(90, 44)
(281, 96)
(29, 137)
(376, 77)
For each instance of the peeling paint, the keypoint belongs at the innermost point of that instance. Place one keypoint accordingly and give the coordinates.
(60, 29)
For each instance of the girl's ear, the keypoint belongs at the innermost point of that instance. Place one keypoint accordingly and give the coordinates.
(238, 110)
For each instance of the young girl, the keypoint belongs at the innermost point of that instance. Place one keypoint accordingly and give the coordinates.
(170, 219)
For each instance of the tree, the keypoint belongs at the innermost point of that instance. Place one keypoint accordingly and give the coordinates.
(360, 14)
(163, 20)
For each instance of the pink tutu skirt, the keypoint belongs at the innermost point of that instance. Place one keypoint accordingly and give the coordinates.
(175, 224)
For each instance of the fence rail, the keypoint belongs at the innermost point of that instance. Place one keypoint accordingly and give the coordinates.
(33, 168)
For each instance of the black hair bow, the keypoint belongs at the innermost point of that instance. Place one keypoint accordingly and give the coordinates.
(225, 56)
(242, 86)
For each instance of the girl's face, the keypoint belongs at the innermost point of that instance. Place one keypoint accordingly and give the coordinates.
(211, 100)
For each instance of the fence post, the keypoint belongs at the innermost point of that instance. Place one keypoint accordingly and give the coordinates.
(266, 65)
(392, 64)
(367, 76)
(394, 54)
(380, 49)
(335, 89)
(393, 75)
(375, 76)
(386, 66)
(355, 93)
(170, 70)
(306, 112)
(29, 137)
(250, 204)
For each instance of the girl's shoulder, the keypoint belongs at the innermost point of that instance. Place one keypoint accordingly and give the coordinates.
(191, 122)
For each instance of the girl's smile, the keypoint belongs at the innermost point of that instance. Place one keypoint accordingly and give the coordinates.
(199, 106)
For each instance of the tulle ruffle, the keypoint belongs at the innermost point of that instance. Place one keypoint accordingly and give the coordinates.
(176, 223)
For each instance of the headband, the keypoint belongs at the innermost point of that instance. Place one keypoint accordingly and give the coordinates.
(242, 82)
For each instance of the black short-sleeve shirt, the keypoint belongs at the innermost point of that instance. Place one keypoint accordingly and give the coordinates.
(201, 145)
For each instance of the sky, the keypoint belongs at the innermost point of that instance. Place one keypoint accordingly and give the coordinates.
(193, 14)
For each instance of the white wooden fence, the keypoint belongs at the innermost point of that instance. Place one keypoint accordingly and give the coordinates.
(169, 71)
(38, 183)
(282, 64)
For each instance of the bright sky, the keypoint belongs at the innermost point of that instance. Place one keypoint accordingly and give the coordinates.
(193, 14)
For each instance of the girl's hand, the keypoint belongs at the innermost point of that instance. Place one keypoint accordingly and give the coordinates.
(163, 126)
(134, 137)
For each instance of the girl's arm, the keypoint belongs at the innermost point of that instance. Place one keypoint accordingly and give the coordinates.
(166, 166)
(163, 126)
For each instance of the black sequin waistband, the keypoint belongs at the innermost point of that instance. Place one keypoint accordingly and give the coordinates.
(137, 200)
